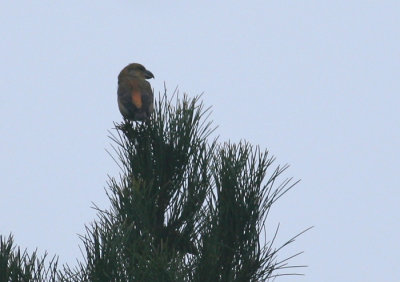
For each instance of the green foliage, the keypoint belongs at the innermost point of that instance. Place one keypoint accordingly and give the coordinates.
(184, 208)
(16, 266)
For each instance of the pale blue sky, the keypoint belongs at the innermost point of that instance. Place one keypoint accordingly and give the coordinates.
(315, 82)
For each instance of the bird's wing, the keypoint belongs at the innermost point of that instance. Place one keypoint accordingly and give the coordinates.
(125, 99)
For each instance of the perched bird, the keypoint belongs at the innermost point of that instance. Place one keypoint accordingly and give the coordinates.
(135, 96)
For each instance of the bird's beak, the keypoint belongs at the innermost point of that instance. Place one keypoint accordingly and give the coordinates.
(148, 74)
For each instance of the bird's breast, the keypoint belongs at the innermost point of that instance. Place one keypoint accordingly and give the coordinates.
(137, 98)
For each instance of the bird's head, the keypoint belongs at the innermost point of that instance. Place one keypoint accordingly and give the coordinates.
(136, 70)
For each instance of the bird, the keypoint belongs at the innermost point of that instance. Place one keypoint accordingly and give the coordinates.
(135, 96)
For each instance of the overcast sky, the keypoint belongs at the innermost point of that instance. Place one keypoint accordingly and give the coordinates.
(315, 82)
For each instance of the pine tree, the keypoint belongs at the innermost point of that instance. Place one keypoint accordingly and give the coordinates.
(184, 208)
